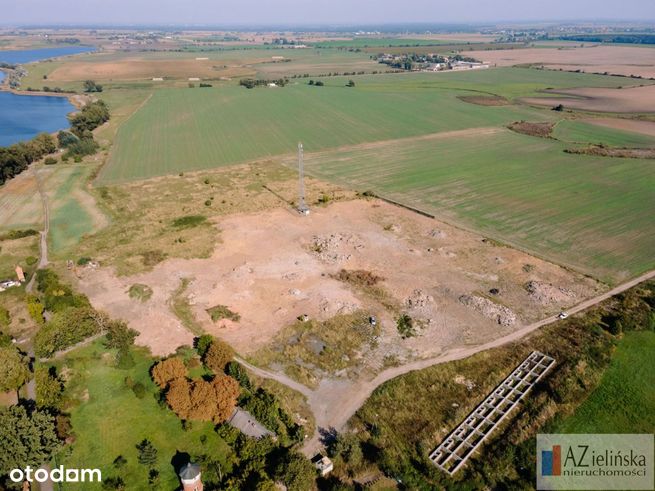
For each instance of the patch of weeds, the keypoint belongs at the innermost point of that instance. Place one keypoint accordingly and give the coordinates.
(152, 258)
(219, 312)
(358, 277)
(179, 304)
(141, 292)
(189, 221)
(406, 326)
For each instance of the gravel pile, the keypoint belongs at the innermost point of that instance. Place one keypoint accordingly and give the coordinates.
(547, 293)
(489, 309)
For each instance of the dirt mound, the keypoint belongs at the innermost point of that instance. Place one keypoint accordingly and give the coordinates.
(418, 300)
(547, 293)
(334, 248)
(484, 100)
(499, 313)
(541, 130)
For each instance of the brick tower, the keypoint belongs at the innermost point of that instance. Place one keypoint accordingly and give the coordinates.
(190, 477)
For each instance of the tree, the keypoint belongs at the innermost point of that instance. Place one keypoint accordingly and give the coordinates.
(26, 439)
(14, 369)
(147, 453)
(164, 372)
(66, 138)
(296, 472)
(351, 83)
(201, 400)
(119, 335)
(91, 86)
(218, 355)
(49, 388)
(203, 343)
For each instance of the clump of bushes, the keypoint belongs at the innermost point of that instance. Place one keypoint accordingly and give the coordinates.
(219, 312)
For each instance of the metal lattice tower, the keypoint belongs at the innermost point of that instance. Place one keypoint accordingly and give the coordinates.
(302, 205)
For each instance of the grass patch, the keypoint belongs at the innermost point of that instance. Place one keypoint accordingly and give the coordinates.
(179, 304)
(189, 221)
(624, 401)
(140, 292)
(574, 131)
(110, 420)
(308, 350)
(219, 312)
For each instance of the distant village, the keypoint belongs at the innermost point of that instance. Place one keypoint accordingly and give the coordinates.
(430, 62)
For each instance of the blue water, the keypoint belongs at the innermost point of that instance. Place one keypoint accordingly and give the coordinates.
(22, 117)
(29, 55)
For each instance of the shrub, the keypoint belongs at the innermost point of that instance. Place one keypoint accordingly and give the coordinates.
(139, 390)
(30, 260)
(50, 161)
(141, 292)
(49, 388)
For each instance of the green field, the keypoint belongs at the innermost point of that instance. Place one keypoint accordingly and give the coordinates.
(363, 42)
(186, 129)
(624, 402)
(583, 132)
(112, 420)
(519, 189)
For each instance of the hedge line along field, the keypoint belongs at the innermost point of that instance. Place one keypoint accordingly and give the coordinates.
(522, 190)
(188, 129)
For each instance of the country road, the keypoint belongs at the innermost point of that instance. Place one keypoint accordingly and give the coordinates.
(334, 402)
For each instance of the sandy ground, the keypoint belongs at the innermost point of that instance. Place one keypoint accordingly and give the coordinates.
(626, 100)
(620, 60)
(267, 269)
(634, 125)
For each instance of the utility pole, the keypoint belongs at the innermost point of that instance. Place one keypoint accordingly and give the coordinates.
(302, 205)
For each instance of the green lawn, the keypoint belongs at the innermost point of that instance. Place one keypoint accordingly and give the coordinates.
(112, 420)
(624, 402)
(520, 189)
(583, 132)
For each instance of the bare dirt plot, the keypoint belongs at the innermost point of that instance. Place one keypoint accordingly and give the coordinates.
(139, 69)
(620, 60)
(634, 125)
(625, 100)
(268, 269)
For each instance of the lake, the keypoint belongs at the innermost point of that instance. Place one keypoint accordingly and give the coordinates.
(22, 117)
(17, 57)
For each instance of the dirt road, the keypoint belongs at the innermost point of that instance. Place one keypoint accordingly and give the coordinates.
(43, 243)
(334, 402)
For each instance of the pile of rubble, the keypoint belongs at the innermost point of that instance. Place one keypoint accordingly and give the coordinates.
(547, 293)
(418, 300)
(492, 310)
(334, 248)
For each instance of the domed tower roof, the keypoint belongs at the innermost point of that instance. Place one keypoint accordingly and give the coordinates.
(190, 472)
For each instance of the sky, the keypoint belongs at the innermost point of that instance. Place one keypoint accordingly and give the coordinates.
(315, 12)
